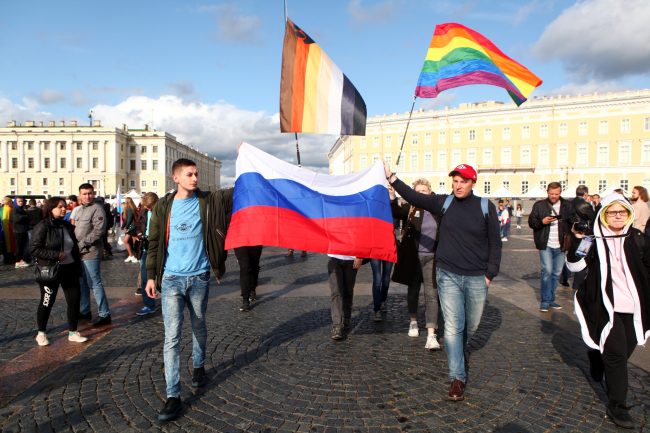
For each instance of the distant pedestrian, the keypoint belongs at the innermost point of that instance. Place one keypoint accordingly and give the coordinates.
(504, 220)
(148, 202)
(547, 219)
(640, 205)
(248, 259)
(186, 239)
(54, 241)
(20, 222)
(8, 238)
(468, 257)
(129, 215)
(519, 214)
(108, 250)
(613, 303)
(342, 274)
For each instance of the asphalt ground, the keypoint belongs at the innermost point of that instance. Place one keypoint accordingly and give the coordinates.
(275, 369)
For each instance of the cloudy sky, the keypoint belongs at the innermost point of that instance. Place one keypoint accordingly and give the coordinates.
(209, 72)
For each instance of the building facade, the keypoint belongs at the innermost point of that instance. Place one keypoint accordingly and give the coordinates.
(53, 159)
(602, 141)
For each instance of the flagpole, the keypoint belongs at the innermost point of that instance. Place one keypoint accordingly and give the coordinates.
(297, 148)
(404, 136)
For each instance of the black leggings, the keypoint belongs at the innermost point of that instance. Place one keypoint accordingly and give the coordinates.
(249, 268)
(619, 346)
(69, 282)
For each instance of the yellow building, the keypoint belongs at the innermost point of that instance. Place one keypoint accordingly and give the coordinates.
(600, 140)
(53, 159)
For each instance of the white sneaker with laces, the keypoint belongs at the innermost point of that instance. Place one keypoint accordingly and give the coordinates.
(41, 339)
(505, 239)
(128, 259)
(432, 343)
(413, 329)
(76, 337)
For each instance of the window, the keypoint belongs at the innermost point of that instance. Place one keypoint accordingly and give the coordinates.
(30, 145)
(62, 163)
(543, 130)
(428, 164)
(79, 162)
(30, 162)
(45, 192)
(363, 161)
(154, 149)
(455, 157)
(506, 184)
(61, 145)
(646, 124)
(132, 183)
(625, 126)
(389, 159)
(121, 164)
(388, 141)
(543, 155)
(45, 181)
(154, 183)
(542, 184)
(645, 151)
(525, 131)
(12, 181)
(14, 145)
(472, 135)
(28, 181)
(79, 145)
(442, 137)
(427, 138)
(562, 155)
(61, 181)
(524, 186)
(375, 158)
(524, 157)
(414, 139)
(46, 162)
(506, 155)
(563, 185)
(625, 184)
(441, 185)
(624, 152)
(602, 185)
(414, 161)
(603, 153)
(132, 165)
(506, 133)
(144, 165)
(582, 154)
(442, 159)
(583, 129)
(132, 149)
(46, 145)
(471, 157)
(95, 145)
(14, 162)
(363, 143)
(487, 156)
(375, 141)
(154, 164)
(143, 149)
(95, 162)
(143, 183)
(487, 187)
(603, 127)
(456, 137)
(563, 130)
(487, 134)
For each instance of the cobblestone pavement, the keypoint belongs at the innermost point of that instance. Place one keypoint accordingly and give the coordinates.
(275, 369)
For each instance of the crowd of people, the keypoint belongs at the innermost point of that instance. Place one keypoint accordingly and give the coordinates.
(449, 245)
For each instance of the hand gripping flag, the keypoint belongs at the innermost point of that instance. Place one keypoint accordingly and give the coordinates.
(279, 204)
(315, 96)
(459, 56)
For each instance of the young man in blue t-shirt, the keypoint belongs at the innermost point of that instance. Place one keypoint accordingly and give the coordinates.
(183, 246)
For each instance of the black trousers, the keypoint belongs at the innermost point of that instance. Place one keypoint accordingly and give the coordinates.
(69, 282)
(21, 246)
(249, 268)
(619, 346)
(341, 279)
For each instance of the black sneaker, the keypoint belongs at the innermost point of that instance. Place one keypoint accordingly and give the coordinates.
(88, 316)
(198, 377)
(337, 332)
(620, 416)
(253, 296)
(106, 320)
(245, 305)
(347, 324)
(171, 410)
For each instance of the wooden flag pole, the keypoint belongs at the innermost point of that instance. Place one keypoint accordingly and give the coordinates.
(404, 136)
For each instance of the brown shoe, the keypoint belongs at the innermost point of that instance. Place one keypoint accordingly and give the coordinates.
(456, 390)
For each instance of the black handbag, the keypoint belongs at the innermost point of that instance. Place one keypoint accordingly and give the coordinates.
(48, 274)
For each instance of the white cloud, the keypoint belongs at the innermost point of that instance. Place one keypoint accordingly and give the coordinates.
(28, 110)
(378, 12)
(603, 39)
(586, 88)
(50, 96)
(232, 26)
(217, 128)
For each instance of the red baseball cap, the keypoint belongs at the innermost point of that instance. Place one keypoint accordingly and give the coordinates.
(464, 170)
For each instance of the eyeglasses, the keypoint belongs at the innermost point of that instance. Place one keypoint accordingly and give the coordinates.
(613, 213)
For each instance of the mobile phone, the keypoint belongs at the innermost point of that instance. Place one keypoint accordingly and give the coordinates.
(584, 247)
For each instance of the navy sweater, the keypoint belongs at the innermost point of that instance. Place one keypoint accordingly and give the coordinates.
(467, 243)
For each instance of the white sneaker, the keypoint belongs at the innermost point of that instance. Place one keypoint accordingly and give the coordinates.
(504, 239)
(518, 227)
(76, 337)
(432, 343)
(413, 329)
(128, 259)
(41, 339)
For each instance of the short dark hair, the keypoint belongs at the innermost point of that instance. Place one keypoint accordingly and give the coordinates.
(581, 190)
(86, 186)
(50, 204)
(553, 185)
(72, 197)
(180, 163)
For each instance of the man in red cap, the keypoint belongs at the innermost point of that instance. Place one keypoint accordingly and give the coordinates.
(467, 259)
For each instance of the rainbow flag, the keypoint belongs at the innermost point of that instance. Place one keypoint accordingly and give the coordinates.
(459, 56)
(315, 96)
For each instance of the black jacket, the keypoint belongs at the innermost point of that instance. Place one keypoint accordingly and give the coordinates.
(20, 220)
(47, 241)
(542, 209)
(468, 244)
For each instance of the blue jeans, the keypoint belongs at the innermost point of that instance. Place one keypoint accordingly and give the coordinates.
(146, 299)
(91, 277)
(462, 299)
(177, 291)
(380, 281)
(552, 260)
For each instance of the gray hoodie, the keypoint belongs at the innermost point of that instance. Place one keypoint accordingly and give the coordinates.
(89, 228)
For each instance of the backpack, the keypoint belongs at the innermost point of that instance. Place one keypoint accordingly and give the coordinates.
(484, 206)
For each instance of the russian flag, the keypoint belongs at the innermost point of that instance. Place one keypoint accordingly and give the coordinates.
(279, 204)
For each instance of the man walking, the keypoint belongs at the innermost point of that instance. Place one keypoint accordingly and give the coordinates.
(467, 259)
(184, 244)
(90, 222)
(549, 230)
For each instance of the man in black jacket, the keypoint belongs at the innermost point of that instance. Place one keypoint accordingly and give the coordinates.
(468, 257)
(20, 222)
(547, 219)
(581, 220)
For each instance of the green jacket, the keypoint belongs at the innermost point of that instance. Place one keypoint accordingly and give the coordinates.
(214, 208)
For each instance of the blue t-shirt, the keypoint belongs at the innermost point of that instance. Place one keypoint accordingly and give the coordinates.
(186, 251)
